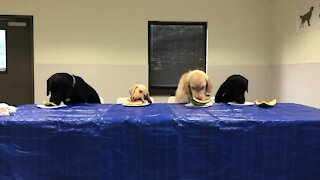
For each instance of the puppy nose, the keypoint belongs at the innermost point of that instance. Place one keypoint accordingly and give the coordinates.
(201, 97)
(198, 97)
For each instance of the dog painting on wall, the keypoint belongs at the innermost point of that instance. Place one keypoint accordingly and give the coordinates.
(69, 89)
(139, 92)
(306, 17)
(193, 84)
(232, 90)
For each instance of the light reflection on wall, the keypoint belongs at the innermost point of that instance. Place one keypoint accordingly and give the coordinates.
(3, 54)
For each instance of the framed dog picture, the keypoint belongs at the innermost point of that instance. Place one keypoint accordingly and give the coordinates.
(308, 16)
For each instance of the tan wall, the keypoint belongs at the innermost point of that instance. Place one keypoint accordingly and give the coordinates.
(101, 38)
(296, 56)
(290, 46)
(297, 83)
(115, 32)
(106, 42)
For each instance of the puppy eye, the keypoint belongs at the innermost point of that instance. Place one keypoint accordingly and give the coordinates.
(193, 88)
(140, 91)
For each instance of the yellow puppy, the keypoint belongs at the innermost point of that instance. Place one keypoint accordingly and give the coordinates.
(195, 84)
(139, 92)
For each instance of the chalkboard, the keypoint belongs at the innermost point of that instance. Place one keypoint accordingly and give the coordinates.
(174, 48)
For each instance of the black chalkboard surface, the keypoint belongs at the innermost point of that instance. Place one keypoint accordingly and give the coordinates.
(174, 48)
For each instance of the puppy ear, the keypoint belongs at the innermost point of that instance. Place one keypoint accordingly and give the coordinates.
(132, 89)
(69, 89)
(247, 84)
(209, 86)
(48, 86)
(186, 84)
(147, 97)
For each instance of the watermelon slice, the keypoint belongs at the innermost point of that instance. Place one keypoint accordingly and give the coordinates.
(199, 102)
(49, 104)
(134, 102)
(266, 103)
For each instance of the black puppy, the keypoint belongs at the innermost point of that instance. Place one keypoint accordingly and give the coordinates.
(70, 89)
(232, 90)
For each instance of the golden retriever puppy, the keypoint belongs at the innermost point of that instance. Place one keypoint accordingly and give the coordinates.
(194, 83)
(139, 92)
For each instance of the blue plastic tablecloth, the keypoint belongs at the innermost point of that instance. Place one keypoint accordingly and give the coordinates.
(161, 141)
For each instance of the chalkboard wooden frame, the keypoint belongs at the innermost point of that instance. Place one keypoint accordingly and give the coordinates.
(160, 88)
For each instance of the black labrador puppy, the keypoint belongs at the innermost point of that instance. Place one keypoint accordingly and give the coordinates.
(232, 90)
(70, 89)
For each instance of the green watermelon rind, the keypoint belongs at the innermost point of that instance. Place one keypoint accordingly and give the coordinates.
(198, 102)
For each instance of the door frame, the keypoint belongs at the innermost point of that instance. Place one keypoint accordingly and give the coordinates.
(16, 19)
